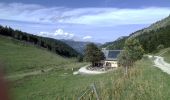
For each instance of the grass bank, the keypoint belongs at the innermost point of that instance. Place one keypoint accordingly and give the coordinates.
(20, 57)
(166, 55)
(143, 82)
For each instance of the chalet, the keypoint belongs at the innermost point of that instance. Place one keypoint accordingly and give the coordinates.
(110, 57)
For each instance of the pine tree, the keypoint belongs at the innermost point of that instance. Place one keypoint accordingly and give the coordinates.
(132, 52)
(93, 54)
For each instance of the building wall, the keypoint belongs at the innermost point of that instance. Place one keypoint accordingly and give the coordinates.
(111, 63)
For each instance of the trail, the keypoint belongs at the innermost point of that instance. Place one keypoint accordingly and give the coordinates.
(37, 72)
(161, 63)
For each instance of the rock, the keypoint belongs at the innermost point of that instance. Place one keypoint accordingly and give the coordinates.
(75, 73)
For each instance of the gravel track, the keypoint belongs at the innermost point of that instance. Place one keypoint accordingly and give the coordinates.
(160, 63)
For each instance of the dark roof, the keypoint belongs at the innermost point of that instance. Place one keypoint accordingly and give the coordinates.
(111, 54)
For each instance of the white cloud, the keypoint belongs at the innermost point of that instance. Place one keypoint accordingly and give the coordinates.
(58, 34)
(121, 16)
(87, 38)
(43, 33)
(61, 33)
(89, 16)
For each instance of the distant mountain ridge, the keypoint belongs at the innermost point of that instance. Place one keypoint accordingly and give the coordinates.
(79, 46)
(117, 44)
(150, 37)
(159, 24)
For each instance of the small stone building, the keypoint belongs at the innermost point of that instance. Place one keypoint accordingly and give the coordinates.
(110, 57)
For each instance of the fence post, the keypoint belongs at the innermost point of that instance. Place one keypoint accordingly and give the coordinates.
(95, 91)
(92, 87)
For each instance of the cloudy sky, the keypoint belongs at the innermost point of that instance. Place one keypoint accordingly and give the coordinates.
(82, 20)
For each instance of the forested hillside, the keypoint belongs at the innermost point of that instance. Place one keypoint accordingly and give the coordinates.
(117, 44)
(50, 44)
(151, 38)
(159, 24)
(79, 46)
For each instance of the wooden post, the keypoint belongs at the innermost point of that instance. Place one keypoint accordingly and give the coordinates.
(95, 91)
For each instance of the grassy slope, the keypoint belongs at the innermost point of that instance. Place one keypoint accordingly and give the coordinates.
(164, 53)
(144, 82)
(159, 24)
(20, 57)
(167, 55)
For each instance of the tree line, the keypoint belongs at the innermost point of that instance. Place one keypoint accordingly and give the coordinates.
(117, 44)
(150, 40)
(50, 44)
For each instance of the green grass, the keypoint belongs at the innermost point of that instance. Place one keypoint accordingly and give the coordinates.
(20, 57)
(164, 53)
(143, 82)
(55, 84)
(167, 55)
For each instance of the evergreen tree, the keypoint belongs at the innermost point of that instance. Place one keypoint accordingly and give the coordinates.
(93, 54)
(132, 52)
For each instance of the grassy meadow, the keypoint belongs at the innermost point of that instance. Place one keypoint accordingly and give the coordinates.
(20, 57)
(143, 82)
(166, 55)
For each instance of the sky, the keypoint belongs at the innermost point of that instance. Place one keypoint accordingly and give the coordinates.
(82, 20)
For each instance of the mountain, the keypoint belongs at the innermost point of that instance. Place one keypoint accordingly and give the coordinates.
(117, 44)
(151, 37)
(50, 44)
(79, 46)
(155, 26)
(152, 40)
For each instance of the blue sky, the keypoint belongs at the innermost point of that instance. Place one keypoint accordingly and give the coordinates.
(82, 20)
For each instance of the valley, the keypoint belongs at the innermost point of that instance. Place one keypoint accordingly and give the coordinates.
(143, 81)
(84, 50)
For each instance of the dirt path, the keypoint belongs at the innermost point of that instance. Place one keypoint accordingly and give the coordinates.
(160, 63)
(29, 73)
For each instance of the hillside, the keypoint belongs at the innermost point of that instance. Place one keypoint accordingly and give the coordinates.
(50, 44)
(143, 81)
(153, 27)
(153, 39)
(115, 45)
(150, 38)
(79, 46)
(19, 57)
(166, 55)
